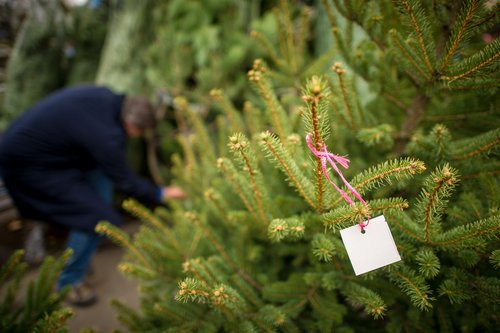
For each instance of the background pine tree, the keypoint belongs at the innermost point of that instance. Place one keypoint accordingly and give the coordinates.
(408, 89)
(56, 46)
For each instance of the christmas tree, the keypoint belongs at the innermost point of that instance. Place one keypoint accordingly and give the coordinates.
(39, 310)
(408, 90)
(56, 45)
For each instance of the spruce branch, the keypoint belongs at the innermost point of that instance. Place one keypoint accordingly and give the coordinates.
(408, 226)
(288, 35)
(342, 44)
(192, 290)
(293, 288)
(316, 120)
(253, 118)
(271, 53)
(247, 291)
(119, 237)
(319, 65)
(228, 301)
(325, 305)
(384, 173)
(456, 290)
(339, 217)
(414, 286)
(183, 169)
(216, 199)
(433, 198)
(487, 287)
(437, 118)
(149, 240)
(422, 27)
(323, 248)
(460, 31)
(475, 64)
(226, 167)
(468, 235)
(131, 318)
(359, 295)
(269, 317)
(39, 309)
(409, 58)
(235, 121)
(10, 288)
(471, 83)
(329, 12)
(198, 268)
(54, 322)
(280, 229)
(145, 215)
(472, 147)
(214, 240)
(428, 263)
(495, 259)
(378, 135)
(8, 269)
(353, 113)
(302, 34)
(240, 146)
(257, 75)
(203, 143)
(280, 155)
(282, 35)
(40, 297)
(387, 172)
(138, 271)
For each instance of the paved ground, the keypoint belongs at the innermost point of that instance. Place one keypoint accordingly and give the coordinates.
(109, 284)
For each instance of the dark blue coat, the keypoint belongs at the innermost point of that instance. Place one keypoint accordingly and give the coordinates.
(45, 154)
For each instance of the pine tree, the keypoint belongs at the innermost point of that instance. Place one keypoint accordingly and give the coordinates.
(410, 96)
(56, 46)
(31, 73)
(185, 46)
(39, 310)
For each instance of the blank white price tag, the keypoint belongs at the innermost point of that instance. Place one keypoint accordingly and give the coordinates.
(371, 250)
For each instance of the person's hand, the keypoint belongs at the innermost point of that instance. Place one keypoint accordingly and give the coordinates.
(173, 192)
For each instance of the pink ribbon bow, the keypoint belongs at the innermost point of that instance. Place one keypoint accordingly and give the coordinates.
(325, 156)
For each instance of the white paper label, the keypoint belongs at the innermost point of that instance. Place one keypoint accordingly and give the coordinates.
(371, 250)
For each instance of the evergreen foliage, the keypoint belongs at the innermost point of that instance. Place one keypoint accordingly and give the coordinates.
(186, 46)
(256, 249)
(56, 46)
(39, 310)
(32, 74)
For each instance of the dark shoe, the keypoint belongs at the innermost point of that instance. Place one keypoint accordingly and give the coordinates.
(81, 295)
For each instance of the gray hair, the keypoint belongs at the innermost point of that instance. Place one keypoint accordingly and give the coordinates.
(138, 111)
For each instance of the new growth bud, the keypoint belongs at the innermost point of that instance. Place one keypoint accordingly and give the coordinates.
(337, 68)
(237, 142)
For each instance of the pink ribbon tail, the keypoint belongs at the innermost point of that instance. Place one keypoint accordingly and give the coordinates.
(325, 156)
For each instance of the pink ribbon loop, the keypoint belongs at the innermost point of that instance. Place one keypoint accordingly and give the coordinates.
(325, 156)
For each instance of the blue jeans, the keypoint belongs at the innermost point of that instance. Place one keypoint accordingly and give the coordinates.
(85, 244)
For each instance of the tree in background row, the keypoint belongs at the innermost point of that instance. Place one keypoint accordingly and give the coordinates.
(56, 46)
(408, 89)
